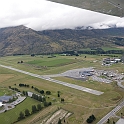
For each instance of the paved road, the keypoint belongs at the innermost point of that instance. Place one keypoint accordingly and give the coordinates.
(111, 113)
(119, 83)
(12, 105)
(95, 92)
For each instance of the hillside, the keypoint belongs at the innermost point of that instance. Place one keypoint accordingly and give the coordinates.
(23, 40)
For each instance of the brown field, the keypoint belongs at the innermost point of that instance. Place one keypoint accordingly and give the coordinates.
(5, 77)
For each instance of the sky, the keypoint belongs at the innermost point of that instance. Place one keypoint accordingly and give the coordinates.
(44, 15)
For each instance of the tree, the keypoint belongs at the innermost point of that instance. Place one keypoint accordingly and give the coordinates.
(91, 119)
(23, 93)
(59, 121)
(27, 85)
(42, 91)
(27, 113)
(58, 91)
(49, 103)
(34, 109)
(43, 99)
(108, 121)
(39, 107)
(33, 95)
(58, 95)
(45, 104)
(121, 115)
(62, 100)
(64, 120)
(26, 93)
(48, 92)
(36, 97)
(21, 61)
(21, 116)
(113, 122)
(32, 55)
(40, 98)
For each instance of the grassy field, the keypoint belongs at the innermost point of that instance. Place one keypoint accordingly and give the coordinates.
(81, 104)
(5, 91)
(34, 119)
(12, 115)
(112, 48)
(69, 62)
(51, 62)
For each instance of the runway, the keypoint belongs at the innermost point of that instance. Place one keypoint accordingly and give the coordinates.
(84, 89)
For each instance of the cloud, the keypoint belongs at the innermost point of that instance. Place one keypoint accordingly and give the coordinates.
(42, 15)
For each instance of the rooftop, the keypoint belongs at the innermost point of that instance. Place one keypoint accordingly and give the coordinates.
(5, 98)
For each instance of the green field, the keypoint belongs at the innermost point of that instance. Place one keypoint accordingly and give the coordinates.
(12, 115)
(51, 62)
(5, 91)
(80, 103)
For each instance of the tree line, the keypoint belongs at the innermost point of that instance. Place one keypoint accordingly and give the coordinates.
(36, 89)
(14, 89)
(94, 52)
(41, 91)
(23, 85)
(27, 113)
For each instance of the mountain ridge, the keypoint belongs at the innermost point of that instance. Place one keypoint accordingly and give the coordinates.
(24, 40)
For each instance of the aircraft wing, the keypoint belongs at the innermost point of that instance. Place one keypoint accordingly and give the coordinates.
(110, 7)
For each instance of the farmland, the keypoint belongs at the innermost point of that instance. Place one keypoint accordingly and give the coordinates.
(5, 91)
(81, 104)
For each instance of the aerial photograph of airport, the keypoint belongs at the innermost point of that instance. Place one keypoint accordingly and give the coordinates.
(62, 62)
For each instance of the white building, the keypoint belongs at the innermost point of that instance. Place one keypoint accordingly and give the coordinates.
(1, 104)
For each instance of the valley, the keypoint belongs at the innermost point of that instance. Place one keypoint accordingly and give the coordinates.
(80, 104)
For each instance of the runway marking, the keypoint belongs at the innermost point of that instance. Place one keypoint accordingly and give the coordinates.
(88, 90)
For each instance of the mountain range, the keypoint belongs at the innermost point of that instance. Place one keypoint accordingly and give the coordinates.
(24, 40)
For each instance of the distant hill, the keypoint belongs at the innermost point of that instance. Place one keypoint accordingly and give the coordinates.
(23, 40)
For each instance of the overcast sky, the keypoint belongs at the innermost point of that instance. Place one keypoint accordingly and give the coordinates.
(42, 15)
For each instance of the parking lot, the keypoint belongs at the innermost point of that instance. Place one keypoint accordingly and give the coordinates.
(12, 105)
